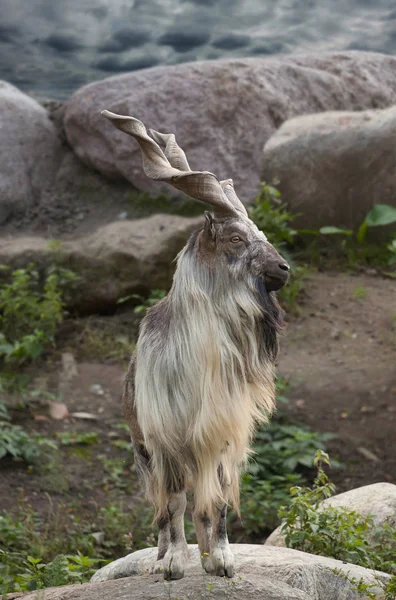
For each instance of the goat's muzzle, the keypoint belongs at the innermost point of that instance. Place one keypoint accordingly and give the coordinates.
(276, 272)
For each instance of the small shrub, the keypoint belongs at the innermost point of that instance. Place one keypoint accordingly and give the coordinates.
(31, 308)
(339, 533)
(270, 215)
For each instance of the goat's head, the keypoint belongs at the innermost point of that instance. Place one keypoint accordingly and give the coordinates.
(237, 244)
(229, 238)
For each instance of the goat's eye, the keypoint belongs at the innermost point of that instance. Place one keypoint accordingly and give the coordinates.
(235, 239)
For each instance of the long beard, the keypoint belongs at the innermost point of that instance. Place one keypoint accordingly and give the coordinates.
(272, 320)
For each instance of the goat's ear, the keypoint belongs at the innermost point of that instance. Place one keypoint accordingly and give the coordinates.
(209, 227)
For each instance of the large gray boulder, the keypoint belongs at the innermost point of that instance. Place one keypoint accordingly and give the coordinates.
(334, 166)
(118, 259)
(29, 151)
(196, 587)
(261, 572)
(222, 111)
(377, 500)
(43, 186)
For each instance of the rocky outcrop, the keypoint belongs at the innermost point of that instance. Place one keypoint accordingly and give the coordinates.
(278, 572)
(334, 166)
(221, 111)
(262, 573)
(30, 151)
(377, 500)
(116, 260)
(195, 587)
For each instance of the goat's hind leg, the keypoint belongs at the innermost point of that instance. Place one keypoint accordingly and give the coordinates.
(163, 542)
(142, 463)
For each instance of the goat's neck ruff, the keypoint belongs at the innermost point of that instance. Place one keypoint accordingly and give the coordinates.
(236, 307)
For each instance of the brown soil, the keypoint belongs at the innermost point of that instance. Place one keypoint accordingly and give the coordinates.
(339, 354)
(340, 358)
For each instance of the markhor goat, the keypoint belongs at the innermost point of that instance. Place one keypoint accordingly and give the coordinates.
(203, 373)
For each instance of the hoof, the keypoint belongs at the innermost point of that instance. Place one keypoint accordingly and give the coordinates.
(157, 568)
(220, 562)
(174, 562)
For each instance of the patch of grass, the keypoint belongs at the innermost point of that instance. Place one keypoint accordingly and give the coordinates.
(70, 438)
(118, 474)
(360, 292)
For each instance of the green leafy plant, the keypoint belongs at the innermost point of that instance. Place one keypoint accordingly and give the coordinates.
(391, 247)
(145, 303)
(355, 242)
(337, 532)
(379, 216)
(16, 442)
(4, 414)
(271, 216)
(62, 570)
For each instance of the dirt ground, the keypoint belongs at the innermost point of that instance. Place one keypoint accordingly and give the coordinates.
(338, 354)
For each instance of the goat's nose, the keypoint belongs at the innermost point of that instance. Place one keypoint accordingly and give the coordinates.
(284, 266)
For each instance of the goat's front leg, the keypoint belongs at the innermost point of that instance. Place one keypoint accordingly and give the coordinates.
(221, 558)
(216, 556)
(203, 529)
(176, 555)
